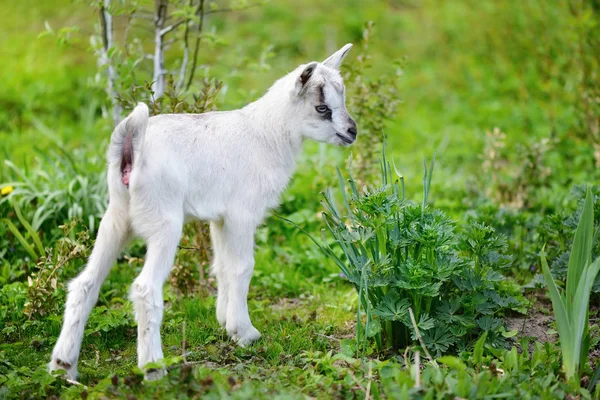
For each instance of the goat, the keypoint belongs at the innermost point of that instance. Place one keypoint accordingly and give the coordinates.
(226, 167)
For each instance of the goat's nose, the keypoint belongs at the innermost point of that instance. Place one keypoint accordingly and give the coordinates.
(352, 131)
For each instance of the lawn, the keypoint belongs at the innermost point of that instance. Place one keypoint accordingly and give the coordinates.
(496, 102)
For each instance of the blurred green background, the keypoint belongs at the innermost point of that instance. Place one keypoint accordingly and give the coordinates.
(468, 67)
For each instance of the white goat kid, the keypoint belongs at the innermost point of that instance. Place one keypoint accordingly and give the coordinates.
(228, 168)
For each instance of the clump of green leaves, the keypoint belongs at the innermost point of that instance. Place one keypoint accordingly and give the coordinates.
(571, 307)
(401, 255)
(173, 101)
(43, 284)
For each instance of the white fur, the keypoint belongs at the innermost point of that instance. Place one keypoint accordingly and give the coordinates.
(228, 168)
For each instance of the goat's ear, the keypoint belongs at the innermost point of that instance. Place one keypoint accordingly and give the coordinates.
(302, 82)
(335, 60)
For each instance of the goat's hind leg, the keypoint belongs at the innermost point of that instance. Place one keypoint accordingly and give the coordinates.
(113, 233)
(162, 238)
(218, 241)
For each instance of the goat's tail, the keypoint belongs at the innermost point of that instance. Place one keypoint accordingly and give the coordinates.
(127, 141)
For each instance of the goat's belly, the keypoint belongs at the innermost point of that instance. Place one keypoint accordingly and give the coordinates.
(204, 208)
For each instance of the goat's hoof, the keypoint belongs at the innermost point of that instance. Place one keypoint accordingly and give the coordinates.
(247, 337)
(154, 374)
(56, 364)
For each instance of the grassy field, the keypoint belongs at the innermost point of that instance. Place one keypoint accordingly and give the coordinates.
(496, 90)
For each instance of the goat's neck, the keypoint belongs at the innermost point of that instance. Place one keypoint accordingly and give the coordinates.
(274, 122)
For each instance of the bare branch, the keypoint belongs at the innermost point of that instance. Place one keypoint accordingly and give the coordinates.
(200, 14)
(172, 27)
(420, 338)
(186, 51)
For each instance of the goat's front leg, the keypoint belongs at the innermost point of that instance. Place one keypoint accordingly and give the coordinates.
(237, 255)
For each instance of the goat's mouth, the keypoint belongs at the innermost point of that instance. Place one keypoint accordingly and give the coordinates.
(345, 139)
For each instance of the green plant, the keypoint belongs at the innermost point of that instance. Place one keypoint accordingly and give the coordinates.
(34, 248)
(43, 284)
(59, 187)
(571, 307)
(401, 255)
(558, 231)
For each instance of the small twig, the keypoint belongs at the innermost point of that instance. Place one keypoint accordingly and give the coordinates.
(526, 316)
(369, 377)
(169, 28)
(329, 337)
(405, 354)
(358, 383)
(183, 344)
(172, 367)
(189, 248)
(74, 382)
(417, 369)
(418, 333)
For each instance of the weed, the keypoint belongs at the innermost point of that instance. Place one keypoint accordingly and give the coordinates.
(571, 307)
(43, 284)
(403, 255)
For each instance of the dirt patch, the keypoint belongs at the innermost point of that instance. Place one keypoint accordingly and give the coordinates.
(535, 325)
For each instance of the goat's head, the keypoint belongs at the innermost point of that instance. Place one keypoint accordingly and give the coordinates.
(319, 101)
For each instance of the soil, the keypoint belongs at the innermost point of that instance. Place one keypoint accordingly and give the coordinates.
(536, 323)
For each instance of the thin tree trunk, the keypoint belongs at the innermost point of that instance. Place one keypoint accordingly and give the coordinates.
(106, 27)
(158, 84)
(197, 44)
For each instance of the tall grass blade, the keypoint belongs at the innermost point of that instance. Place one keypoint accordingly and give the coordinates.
(32, 233)
(579, 318)
(15, 231)
(478, 350)
(562, 321)
(581, 254)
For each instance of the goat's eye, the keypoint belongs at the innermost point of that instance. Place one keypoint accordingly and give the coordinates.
(322, 108)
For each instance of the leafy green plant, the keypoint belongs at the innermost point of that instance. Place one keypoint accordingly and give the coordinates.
(43, 284)
(401, 255)
(571, 307)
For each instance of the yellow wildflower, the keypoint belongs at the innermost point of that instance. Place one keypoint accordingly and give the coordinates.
(6, 190)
